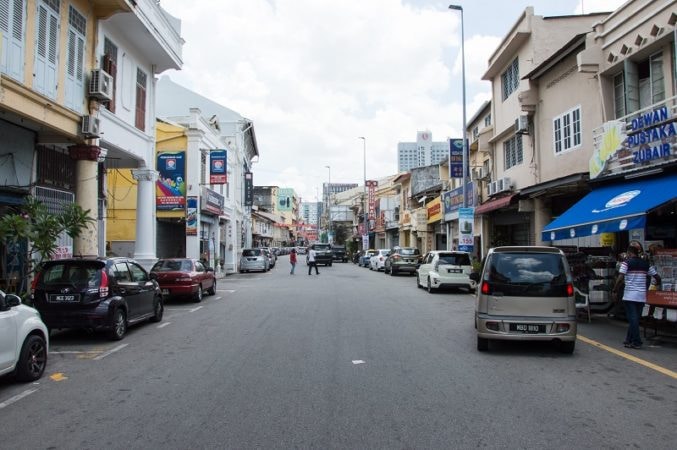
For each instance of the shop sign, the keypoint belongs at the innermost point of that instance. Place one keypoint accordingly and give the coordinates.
(406, 218)
(191, 216)
(648, 141)
(170, 187)
(452, 200)
(371, 198)
(212, 202)
(218, 167)
(455, 158)
(466, 222)
(434, 210)
(248, 189)
(607, 239)
(421, 217)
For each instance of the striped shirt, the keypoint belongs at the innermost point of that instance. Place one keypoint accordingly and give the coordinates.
(636, 271)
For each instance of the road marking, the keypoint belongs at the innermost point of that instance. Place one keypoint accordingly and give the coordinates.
(195, 309)
(230, 291)
(17, 397)
(58, 376)
(162, 325)
(357, 361)
(629, 357)
(110, 352)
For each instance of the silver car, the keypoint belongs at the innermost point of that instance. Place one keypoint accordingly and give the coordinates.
(526, 294)
(254, 259)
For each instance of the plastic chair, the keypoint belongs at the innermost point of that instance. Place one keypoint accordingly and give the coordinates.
(582, 302)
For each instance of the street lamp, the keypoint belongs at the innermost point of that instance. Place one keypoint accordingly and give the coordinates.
(329, 205)
(366, 219)
(465, 142)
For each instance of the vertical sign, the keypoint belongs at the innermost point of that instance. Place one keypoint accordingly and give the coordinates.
(455, 158)
(365, 241)
(371, 198)
(170, 188)
(218, 167)
(466, 221)
(191, 216)
(248, 189)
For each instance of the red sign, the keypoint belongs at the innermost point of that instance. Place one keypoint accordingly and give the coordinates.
(371, 198)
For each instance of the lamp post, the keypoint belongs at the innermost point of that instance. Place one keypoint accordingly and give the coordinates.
(465, 142)
(366, 219)
(329, 205)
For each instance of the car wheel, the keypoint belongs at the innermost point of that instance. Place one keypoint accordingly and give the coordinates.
(482, 344)
(158, 310)
(198, 295)
(212, 291)
(567, 347)
(393, 272)
(119, 325)
(330, 264)
(430, 286)
(418, 282)
(32, 359)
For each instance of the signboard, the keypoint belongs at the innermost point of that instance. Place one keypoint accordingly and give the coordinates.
(285, 199)
(191, 216)
(452, 200)
(466, 222)
(170, 192)
(218, 160)
(365, 241)
(248, 189)
(434, 210)
(212, 201)
(455, 158)
(371, 198)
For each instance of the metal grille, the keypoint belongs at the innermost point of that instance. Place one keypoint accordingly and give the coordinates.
(55, 168)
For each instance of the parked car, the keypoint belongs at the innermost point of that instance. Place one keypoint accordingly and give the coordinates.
(184, 278)
(442, 269)
(254, 259)
(377, 261)
(300, 250)
(272, 259)
(24, 340)
(365, 258)
(96, 293)
(526, 294)
(402, 260)
(339, 253)
(323, 254)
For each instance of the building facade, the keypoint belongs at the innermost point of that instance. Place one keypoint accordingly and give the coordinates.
(423, 152)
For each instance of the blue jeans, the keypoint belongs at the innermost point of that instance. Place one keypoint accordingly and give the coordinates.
(293, 265)
(633, 311)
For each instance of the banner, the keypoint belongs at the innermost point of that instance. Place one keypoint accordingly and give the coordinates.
(466, 222)
(170, 188)
(285, 199)
(191, 216)
(248, 189)
(455, 158)
(218, 160)
(371, 198)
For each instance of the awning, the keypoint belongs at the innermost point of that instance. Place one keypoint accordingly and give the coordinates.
(612, 208)
(492, 205)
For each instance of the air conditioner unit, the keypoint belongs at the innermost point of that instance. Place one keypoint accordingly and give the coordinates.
(101, 85)
(492, 188)
(484, 173)
(522, 125)
(476, 175)
(499, 185)
(503, 184)
(90, 127)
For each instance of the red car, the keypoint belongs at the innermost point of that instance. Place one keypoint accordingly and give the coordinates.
(184, 277)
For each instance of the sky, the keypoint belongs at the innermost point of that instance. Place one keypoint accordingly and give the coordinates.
(315, 75)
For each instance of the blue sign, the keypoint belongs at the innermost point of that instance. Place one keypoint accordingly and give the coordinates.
(455, 158)
(452, 200)
(466, 222)
(217, 167)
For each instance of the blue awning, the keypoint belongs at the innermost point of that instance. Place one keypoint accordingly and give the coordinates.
(612, 208)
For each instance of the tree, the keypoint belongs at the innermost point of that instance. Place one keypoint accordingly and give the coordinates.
(30, 235)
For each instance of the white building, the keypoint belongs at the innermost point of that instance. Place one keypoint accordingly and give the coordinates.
(311, 212)
(423, 152)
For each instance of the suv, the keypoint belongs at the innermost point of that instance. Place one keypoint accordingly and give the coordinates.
(96, 293)
(526, 294)
(445, 269)
(24, 339)
(339, 253)
(402, 259)
(323, 254)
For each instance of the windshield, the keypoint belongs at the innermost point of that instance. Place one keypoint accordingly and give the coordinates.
(252, 252)
(409, 251)
(172, 265)
(322, 247)
(73, 273)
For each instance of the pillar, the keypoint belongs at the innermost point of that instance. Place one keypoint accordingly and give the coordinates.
(144, 249)
(86, 196)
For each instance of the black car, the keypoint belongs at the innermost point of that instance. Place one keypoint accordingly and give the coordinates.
(323, 254)
(96, 293)
(339, 253)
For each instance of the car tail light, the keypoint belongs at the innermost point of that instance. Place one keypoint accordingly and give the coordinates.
(396, 257)
(380, 258)
(561, 327)
(486, 288)
(570, 289)
(493, 326)
(35, 282)
(184, 279)
(103, 289)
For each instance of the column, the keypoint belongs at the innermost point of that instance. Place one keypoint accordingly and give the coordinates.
(86, 196)
(144, 249)
(541, 219)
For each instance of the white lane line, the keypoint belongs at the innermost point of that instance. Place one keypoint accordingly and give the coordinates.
(357, 361)
(110, 352)
(162, 325)
(17, 397)
(230, 291)
(195, 309)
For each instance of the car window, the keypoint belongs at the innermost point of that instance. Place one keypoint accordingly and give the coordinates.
(199, 267)
(138, 274)
(409, 251)
(527, 274)
(171, 265)
(457, 259)
(120, 272)
(78, 274)
(251, 252)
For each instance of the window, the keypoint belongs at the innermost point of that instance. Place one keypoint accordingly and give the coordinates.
(510, 79)
(512, 151)
(140, 117)
(619, 95)
(75, 60)
(110, 66)
(640, 85)
(46, 51)
(487, 120)
(475, 133)
(12, 38)
(567, 130)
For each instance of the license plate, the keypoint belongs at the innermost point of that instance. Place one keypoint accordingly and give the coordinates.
(64, 297)
(455, 270)
(527, 328)
(165, 292)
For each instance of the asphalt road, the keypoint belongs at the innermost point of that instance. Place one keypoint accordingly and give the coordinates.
(347, 359)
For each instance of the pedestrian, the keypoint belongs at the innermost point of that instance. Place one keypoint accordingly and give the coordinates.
(310, 260)
(633, 272)
(292, 260)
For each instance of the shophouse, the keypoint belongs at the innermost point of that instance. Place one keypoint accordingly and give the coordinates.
(77, 99)
(478, 133)
(512, 146)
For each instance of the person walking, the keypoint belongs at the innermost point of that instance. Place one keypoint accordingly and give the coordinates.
(292, 260)
(311, 261)
(634, 272)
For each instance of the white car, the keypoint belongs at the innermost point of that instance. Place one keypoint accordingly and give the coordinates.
(24, 339)
(378, 261)
(445, 269)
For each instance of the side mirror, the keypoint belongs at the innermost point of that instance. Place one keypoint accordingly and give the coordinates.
(12, 300)
(153, 276)
(210, 269)
(475, 277)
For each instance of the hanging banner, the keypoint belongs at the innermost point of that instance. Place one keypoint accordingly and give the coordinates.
(455, 158)
(218, 167)
(170, 188)
(248, 189)
(191, 216)
(466, 221)
(371, 198)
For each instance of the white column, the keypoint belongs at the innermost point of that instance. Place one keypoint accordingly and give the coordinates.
(144, 249)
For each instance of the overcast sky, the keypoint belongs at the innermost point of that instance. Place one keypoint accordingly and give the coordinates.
(313, 75)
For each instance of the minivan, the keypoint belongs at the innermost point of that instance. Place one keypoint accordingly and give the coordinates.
(526, 294)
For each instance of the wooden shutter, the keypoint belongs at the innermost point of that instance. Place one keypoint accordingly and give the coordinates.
(140, 117)
(12, 30)
(45, 76)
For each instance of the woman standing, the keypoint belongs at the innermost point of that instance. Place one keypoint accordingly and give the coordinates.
(292, 260)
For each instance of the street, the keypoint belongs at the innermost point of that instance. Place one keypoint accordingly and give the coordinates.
(347, 359)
